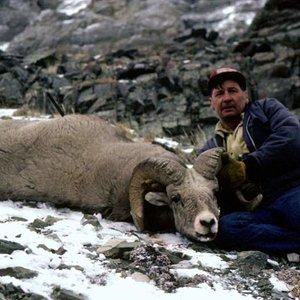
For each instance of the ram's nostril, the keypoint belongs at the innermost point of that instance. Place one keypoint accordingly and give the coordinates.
(208, 223)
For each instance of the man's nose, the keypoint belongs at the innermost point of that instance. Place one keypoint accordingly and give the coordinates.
(227, 96)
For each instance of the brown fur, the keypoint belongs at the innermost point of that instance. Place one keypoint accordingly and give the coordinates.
(84, 162)
(61, 160)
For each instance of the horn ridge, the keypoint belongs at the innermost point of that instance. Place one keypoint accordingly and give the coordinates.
(161, 170)
(209, 162)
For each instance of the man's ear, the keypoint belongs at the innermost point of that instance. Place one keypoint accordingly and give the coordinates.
(246, 96)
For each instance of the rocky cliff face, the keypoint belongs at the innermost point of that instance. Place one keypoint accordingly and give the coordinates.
(145, 63)
(99, 26)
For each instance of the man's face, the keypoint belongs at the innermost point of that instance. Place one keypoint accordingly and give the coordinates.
(228, 100)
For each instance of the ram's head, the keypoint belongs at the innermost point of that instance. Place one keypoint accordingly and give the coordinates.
(165, 194)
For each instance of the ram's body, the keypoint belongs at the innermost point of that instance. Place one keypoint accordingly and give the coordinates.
(74, 161)
(84, 162)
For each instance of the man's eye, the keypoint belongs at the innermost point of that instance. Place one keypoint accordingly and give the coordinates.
(219, 93)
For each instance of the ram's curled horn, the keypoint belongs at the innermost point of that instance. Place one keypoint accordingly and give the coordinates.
(152, 174)
(209, 162)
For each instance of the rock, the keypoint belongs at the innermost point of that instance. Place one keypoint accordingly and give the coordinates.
(292, 278)
(9, 247)
(293, 257)
(149, 75)
(250, 273)
(63, 294)
(296, 291)
(10, 291)
(251, 262)
(140, 277)
(116, 248)
(18, 272)
(151, 262)
(110, 248)
(92, 220)
(11, 90)
(38, 224)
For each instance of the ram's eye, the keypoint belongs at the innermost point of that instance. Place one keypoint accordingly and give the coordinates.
(176, 198)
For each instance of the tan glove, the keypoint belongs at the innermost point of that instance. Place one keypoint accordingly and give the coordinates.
(233, 172)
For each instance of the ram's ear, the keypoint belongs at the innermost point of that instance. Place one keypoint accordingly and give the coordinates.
(157, 198)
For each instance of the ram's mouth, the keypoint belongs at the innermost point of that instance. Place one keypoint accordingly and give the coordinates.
(206, 237)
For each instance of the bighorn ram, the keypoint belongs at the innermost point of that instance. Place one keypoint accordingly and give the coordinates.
(84, 162)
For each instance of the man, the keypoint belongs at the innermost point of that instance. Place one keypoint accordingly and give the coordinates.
(262, 141)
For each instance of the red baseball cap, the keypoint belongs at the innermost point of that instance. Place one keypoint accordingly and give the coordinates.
(219, 75)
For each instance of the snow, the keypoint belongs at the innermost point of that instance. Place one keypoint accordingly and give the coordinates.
(72, 7)
(71, 233)
(7, 112)
(167, 141)
(278, 284)
(4, 46)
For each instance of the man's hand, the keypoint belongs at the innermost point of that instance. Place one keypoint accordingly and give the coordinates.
(232, 173)
(249, 196)
(249, 190)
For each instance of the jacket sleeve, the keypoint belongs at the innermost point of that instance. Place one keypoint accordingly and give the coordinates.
(280, 150)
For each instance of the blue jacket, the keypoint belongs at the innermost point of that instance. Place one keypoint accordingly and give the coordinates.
(272, 135)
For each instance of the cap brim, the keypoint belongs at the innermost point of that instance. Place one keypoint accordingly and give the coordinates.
(220, 78)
